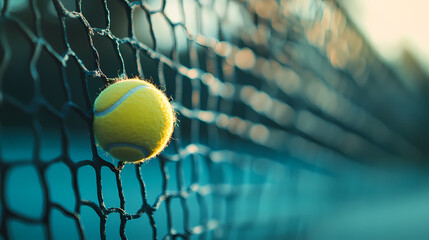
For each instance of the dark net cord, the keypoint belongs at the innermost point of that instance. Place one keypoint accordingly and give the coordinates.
(254, 88)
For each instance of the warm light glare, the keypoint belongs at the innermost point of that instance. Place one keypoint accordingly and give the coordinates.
(391, 25)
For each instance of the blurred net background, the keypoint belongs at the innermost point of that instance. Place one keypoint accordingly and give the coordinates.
(290, 126)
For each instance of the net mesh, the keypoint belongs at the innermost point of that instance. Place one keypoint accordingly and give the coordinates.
(265, 91)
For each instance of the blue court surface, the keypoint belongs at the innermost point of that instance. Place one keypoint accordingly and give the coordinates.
(296, 200)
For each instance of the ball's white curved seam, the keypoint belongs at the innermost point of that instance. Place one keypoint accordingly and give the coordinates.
(120, 100)
(130, 145)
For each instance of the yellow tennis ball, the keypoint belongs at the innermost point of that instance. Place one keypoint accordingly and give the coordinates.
(133, 120)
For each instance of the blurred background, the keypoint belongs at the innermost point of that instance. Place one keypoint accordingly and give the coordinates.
(298, 119)
(397, 33)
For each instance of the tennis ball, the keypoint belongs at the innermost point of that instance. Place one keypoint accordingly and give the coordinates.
(133, 120)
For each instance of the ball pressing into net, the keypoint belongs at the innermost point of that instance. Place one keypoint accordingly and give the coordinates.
(133, 120)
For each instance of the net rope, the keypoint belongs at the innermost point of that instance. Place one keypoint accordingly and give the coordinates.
(278, 86)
